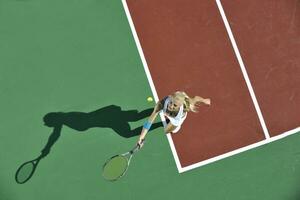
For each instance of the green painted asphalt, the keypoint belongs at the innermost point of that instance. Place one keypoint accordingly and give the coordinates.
(77, 57)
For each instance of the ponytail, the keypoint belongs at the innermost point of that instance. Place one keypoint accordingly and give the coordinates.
(189, 104)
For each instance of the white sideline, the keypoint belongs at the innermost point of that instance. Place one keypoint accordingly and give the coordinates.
(140, 50)
(251, 91)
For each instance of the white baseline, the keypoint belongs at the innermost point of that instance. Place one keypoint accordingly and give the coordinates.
(252, 94)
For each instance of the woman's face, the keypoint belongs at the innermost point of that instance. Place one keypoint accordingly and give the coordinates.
(174, 104)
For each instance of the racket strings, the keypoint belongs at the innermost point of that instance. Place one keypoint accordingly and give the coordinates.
(115, 167)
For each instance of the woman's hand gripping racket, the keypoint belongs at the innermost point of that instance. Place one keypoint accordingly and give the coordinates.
(115, 167)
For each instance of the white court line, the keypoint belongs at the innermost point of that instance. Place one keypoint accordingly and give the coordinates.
(140, 50)
(234, 152)
(237, 151)
(244, 71)
(252, 94)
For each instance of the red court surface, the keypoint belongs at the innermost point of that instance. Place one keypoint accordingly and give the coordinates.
(268, 36)
(186, 47)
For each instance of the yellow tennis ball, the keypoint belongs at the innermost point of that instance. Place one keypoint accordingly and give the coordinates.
(149, 99)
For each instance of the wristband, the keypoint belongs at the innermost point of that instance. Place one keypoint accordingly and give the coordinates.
(147, 125)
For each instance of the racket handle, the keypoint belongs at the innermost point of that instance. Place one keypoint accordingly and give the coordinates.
(141, 144)
(137, 147)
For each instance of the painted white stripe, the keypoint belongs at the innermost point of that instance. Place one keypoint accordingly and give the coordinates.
(237, 151)
(244, 71)
(140, 50)
(141, 53)
(175, 155)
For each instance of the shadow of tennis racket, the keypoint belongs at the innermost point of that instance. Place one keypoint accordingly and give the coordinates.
(26, 170)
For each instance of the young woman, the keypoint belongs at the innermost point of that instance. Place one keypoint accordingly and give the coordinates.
(175, 108)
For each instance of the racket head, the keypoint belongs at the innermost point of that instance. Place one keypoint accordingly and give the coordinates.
(115, 167)
(25, 172)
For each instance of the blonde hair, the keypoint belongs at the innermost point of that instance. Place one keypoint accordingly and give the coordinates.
(189, 104)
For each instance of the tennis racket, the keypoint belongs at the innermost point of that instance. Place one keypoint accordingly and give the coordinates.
(26, 170)
(115, 167)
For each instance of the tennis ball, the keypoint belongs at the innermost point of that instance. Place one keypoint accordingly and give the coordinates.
(149, 99)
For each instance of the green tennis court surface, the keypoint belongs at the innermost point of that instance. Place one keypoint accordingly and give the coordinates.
(79, 57)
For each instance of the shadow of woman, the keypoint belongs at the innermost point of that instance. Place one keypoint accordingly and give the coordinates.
(107, 117)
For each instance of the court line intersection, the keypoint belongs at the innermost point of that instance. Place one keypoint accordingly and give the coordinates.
(247, 80)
